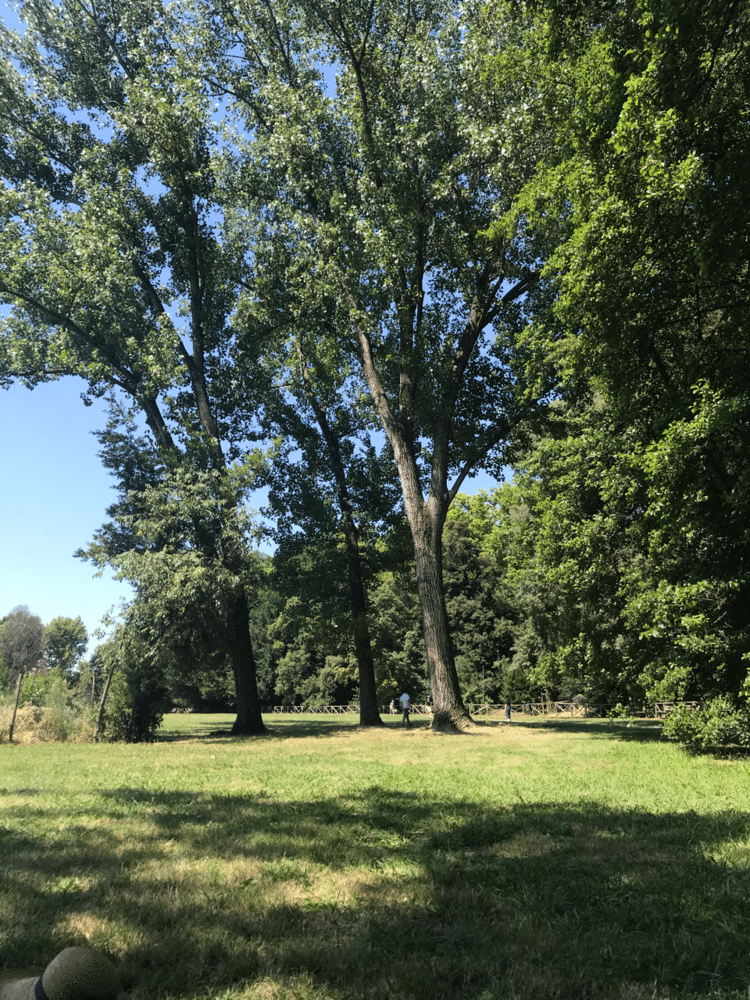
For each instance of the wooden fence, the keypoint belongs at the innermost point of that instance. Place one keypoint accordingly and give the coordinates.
(313, 709)
(580, 710)
(663, 708)
(336, 709)
(572, 709)
(569, 709)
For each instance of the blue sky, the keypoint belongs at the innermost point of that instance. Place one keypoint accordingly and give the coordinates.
(54, 493)
(53, 496)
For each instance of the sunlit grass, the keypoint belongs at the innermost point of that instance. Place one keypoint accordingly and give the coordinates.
(537, 860)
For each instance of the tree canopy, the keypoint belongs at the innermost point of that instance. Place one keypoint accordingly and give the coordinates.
(357, 252)
(65, 641)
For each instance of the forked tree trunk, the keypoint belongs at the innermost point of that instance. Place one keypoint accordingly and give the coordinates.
(15, 706)
(426, 520)
(249, 721)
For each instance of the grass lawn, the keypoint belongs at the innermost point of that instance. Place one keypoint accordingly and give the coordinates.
(527, 862)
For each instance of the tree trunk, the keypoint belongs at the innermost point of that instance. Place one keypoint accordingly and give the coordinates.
(369, 714)
(249, 721)
(103, 702)
(426, 520)
(449, 711)
(15, 706)
(368, 695)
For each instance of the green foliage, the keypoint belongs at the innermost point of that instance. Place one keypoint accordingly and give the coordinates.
(567, 538)
(186, 549)
(620, 711)
(398, 645)
(624, 576)
(50, 711)
(720, 724)
(114, 270)
(368, 215)
(137, 695)
(21, 640)
(650, 315)
(65, 641)
(312, 642)
(129, 716)
(499, 205)
(61, 718)
(36, 686)
(313, 655)
(479, 604)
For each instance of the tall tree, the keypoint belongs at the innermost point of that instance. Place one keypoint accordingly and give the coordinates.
(649, 172)
(325, 475)
(333, 435)
(170, 538)
(387, 191)
(22, 640)
(65, 642)
(108, 241)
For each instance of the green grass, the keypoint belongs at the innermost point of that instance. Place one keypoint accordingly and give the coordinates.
(530, 862)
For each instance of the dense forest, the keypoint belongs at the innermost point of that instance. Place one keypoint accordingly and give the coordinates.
(353, 253)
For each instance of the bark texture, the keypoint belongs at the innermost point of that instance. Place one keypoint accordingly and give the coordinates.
(427, 521)
(249, 721)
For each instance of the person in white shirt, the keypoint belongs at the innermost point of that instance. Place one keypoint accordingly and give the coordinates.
(406, 707)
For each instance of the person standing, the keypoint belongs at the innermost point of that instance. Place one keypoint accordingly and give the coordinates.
(405, 707)
(507, 709)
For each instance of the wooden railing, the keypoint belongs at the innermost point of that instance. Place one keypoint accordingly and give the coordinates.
(313, 709)
(571, 709)
(580, 710)
(336, 709)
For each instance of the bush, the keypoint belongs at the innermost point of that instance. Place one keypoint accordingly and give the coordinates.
(621, 711)
(718, 725)
(60, 719)
(134, 710)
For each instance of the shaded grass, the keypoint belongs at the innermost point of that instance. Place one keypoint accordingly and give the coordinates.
(539, 860)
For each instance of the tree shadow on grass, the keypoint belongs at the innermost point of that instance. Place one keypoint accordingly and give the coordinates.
(286, 729)
(300, 727)
(379, 894)
(628, 731)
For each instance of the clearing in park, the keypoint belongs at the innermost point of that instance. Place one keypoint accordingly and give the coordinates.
(530, 861)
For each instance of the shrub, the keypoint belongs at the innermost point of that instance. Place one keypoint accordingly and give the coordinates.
(620, 711)
(60, 718)
(718, 725)
(134, 709)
